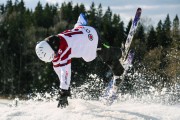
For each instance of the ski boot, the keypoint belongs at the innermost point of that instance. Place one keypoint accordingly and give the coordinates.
(62, 98)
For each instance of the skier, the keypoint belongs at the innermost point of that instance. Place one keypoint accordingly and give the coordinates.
(79, 42)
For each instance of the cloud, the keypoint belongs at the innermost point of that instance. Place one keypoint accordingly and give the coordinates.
(152, 9)
(124, 7)
(55, 1)
(145, 7)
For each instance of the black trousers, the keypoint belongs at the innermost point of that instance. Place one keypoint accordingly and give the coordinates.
(111, 56)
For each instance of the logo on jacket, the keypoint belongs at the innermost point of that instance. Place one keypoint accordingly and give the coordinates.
(59, 51)
(90, 36)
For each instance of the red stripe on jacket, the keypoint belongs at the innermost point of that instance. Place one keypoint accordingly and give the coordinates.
(66, 54)
(62, 48)
(60, 65)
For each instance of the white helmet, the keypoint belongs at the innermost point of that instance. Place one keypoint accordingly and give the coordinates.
(44, 51)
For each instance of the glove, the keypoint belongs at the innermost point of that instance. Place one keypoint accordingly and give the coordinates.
(63, 101)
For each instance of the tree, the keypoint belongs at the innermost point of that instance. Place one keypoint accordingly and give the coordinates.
(127, 29)
(82, 8)
(167, 25)
(107, 28)
(66, 12)
(140, 34)
(175, 28)
(48, 14)
(99, 18)
(9, 6)
(139, 43)
(92, 15)
(38, 16)
(99, 11)
(152, 39)
(117, 31)
(166, 31)
(77, 10)
(19, 6)
(98, 22)
(159, 32)
(2, 9)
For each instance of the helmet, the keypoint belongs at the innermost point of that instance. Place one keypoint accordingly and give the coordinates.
(44, 51)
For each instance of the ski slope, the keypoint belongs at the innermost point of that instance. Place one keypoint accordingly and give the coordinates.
(88, 110)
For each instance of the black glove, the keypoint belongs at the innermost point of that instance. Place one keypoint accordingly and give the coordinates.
(63, 101)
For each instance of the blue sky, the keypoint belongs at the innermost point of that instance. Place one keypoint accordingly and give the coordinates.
(153, 10)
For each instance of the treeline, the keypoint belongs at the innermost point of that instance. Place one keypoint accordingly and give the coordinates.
(157, 50)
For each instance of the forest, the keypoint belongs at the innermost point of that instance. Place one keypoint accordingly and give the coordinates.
(157, 48)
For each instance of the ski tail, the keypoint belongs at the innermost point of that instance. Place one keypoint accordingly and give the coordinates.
(110, 93)
(125, 48)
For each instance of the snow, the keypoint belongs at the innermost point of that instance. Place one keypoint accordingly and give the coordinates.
(79, 109)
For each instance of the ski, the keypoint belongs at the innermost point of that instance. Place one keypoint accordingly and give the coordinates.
(110, 93)
(125, 48)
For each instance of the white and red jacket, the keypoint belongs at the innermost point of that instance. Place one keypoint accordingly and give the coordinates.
(80, 42)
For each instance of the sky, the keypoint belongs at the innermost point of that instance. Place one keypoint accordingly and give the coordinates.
(152, 10)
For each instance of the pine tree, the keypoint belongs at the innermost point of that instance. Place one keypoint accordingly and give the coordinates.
(152, 39)
(99, 11)
(159, 32)
(48, 15)
(127, 29)
(99, 18)
(117, 30)
(167, 39)
(9, 6)
(107, 28)
(140, 34)
(139, 43)
(2, 9)
(167, 25)
(92, 15)
(176, 28)
(76, 12)
(38, 16)
(82, 8)
(77, 9)
(66, 14)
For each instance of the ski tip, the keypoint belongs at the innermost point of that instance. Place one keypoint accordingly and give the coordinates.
(138, 12)
(139, 9)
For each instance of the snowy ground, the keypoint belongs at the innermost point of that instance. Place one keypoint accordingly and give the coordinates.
(88, 110)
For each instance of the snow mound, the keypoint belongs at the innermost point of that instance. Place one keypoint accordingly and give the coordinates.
(79, 109)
